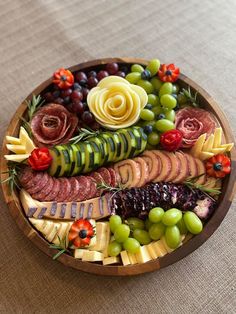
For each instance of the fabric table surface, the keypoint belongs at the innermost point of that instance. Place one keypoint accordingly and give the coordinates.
(37, 37)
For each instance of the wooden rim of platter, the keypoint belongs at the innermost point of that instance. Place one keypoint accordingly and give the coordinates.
(225, 199)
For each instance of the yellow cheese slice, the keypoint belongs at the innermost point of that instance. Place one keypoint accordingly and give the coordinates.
(78, 253)
(151, 250)
(13, 140)
(159, 248)
(62, 233)
(125, 258)
(168, 249)
(218, 150)
(197, 148)
(101, 237)
(26, 141)
(227, 147)
(50, 236)
(217, 137)
(208, 145)
(143, 255)
(17, 149)
(205, 155)
(132, 258)
(92, 256)
(111, 260)
(16, 158)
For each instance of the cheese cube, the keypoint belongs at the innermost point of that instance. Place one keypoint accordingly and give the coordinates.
(143, 255)
(111, 260)
(125, 258)
(92, 256)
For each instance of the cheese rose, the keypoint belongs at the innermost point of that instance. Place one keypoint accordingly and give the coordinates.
(116, 103)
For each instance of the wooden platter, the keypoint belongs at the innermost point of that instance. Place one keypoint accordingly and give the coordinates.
(225, 200)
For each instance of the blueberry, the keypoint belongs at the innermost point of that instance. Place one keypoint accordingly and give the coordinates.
(148, 106)
(83, 234)
(148, 129)
(67, 100)
(161, 116)
(83, 83)
(146, 75)
(77, 86)
(168, 72)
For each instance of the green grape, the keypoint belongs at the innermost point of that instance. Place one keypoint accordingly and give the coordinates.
(156, 83)
(153, 99)
(141, 236)
(170, 115)
(135, 223)
(181, 99)
(131, 245)
(149, 147)
(157, 110)
(164, 125)
(168, 101)
(172, 236)
(175, 89)
(182, 227)
(146, 85)
(171, 217)
(114, 248)
(133, 77)
(155, 215)
(137, 68)
(153, 66)
(148, 224)
(166, 88)
(147, 115)
(114, 221)
(122, 233)
(144, 123)
(156, 231)
(192, 222)
(153, 138)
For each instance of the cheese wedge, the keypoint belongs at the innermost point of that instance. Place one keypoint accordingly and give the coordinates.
(125, 258)
(17, 158)
(208, 145)
(205, 155)
(13, 140)
(26, 141)
(143, 255)
(197, 148)
(111, 260)
(17, 149)
(51, 235)
(217, 137)
(92, 256)
(62, 233)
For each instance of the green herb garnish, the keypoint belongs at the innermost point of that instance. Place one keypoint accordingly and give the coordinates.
(34, 105)
(192, 98)
(84, 134)
(62, 247)
(12, 180)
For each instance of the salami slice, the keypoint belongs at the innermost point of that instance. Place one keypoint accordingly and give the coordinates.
(54, 191)
(115, 179)
(42, 193)
(26, 175)
(37, 183)
(65, 189)
(74, 189)
(92, 188)
(104, 172)
(83, 188)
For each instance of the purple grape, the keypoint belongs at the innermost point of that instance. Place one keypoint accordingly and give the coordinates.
(124, 69)
(92, 74)
(80, 76)
(102, 74)
(59, 101)
(48, 97)
(92, 82)
(55, 87)
(77, 86)
(76, 94)
(112, 68)
(66, 92)
(56, 94)
(121, 74)
(77, 106)
(66, 100)
(87, 117)
(85, 92)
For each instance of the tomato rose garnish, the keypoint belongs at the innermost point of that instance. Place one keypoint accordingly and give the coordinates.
(218, 166)
(171, 140)
(168, 73)
(80, 233)
(63, 78)
(40, 159)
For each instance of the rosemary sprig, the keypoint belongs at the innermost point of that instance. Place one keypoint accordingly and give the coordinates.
(84, 134)
(62, 247)
(192, 98)
(191, 182)
(34, 105)
(12, 180)
(102, 185)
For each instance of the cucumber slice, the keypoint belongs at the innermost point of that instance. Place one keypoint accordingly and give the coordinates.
(78, 158)
(53, 169)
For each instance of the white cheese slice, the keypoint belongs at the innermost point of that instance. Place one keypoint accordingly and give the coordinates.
(17, 149)
(159, 248)
(78, 253)
(92, 256)
(26, 140)
(13, 140)
(132, 258)
(143, 255)
(125, 258)
(111, 260)
(17, 158)
(151, 250)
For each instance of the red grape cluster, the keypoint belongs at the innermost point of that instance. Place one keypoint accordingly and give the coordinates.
(74, 98)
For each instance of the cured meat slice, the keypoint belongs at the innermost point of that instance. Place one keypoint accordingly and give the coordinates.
(53, 124)
(184, 167)
(201, 171)
(175, 167)
(26, 174)
(92, 188)
(144, 170)
(74, 189)
(153, 163)
(42, 193)
(96, 177)
(83, 188)
(165, 166)
(54, 191)
(37, 183)
(192, 166)
(115, 179)
(104, 172)
(192, 122)
(65, 190)
(129, 172)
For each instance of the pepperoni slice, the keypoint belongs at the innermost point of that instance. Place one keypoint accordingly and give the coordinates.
(83, 188)
(54, 191)
(65, 189)
(115, 179)
(104, 172)
(74, 189)
(40, 195)
(93, 192)
(38, 182)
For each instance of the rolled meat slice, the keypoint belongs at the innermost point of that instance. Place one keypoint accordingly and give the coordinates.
(165, 166)
(184, 168)
(175, 167)
(115, 178)
(129, 172)
(144, 171)
(153, 163)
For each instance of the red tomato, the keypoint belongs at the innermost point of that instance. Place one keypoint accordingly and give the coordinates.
(40, 159)
(171, 140)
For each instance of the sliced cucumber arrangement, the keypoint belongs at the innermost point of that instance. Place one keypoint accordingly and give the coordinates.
(107, 147)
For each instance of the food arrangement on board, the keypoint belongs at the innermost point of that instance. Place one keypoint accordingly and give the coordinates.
(118, 165)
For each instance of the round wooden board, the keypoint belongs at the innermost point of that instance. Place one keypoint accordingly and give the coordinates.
(196, 241)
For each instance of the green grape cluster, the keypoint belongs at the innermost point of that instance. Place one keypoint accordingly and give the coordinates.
(159, 114)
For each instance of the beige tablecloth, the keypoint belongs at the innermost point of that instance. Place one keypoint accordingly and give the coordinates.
(37, 37)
